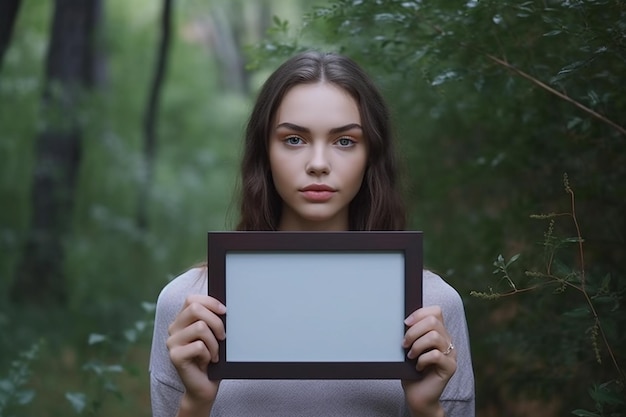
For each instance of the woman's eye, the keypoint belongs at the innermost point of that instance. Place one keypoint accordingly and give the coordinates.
(293, 140)
(345, 142)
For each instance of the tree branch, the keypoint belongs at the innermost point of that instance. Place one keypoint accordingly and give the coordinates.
(565, 97)
(150, 116)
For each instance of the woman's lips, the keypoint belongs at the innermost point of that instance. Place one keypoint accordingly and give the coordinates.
(318, 193)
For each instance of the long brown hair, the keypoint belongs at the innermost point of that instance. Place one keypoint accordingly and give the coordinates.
(377, 205)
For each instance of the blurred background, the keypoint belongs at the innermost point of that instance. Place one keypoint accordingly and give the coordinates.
(120, 132)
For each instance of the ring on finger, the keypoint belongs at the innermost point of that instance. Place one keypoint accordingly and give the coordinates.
(449, 349)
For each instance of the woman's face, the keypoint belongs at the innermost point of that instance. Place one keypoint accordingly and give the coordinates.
(318, 156)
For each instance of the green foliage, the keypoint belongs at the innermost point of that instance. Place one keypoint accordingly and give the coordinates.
(14, 390)
(197, 149)
(102, 376)
(110, 263)
(609, 401)
(492, 100)
(106, 365)
(588, 325)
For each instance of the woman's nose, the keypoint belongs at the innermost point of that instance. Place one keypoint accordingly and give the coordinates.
(318, 164)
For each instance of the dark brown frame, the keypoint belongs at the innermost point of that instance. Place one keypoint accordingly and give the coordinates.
(408, 242)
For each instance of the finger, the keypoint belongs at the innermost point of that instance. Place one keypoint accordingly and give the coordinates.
(433, 340)
(215, 323)
(422, 327)
(203, 302)
(192, 352)
(209, 302)
(198, 312)
(197, 331)
(445, 365)
(422, 313)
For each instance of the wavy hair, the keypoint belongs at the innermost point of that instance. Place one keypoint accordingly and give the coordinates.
(377, 205)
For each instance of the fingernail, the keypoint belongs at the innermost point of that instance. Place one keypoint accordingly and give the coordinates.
(409, 321)
(410, 354)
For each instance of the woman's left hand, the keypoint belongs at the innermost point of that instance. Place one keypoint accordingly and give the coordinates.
(428, 340)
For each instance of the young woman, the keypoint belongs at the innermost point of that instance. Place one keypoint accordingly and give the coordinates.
(318, 156)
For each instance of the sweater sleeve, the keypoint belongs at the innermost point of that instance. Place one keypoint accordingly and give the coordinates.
(458, 398)
(166, 388)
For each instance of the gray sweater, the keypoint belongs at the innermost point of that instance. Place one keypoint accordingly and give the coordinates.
(315, 398)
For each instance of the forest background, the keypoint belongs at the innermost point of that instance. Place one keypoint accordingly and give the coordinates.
(120, 128)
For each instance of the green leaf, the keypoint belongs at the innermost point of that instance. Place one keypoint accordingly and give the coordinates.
(604, 395)
(25, 397)
(140, 325)
(148, 307)
(513, 259)
(114, 368)
(131, 335)
(573, 122)
(567, 70)
(78, 400)
(443, 77)
(584, 413)
(93, 366)
(95, 338)
(605, 299)
(572, 240)
(111, 387)
(6, 385)
(577, 312)
(553, 32)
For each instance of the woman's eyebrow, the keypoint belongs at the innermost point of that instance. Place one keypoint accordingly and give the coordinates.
(294, 127)
(345, 128)
(332, 131)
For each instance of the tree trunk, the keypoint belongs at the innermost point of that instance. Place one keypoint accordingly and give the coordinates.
(150, 117)
(71, 69)
(8, 15)
(227, 21)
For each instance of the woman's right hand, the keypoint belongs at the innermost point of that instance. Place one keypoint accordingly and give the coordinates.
(193, 344)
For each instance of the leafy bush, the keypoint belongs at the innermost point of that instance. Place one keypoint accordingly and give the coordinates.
(584, 335)
(493, 100)
(14, 390)
(103, 375)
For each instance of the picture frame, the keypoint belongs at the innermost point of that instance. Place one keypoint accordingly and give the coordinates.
(315, 305)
